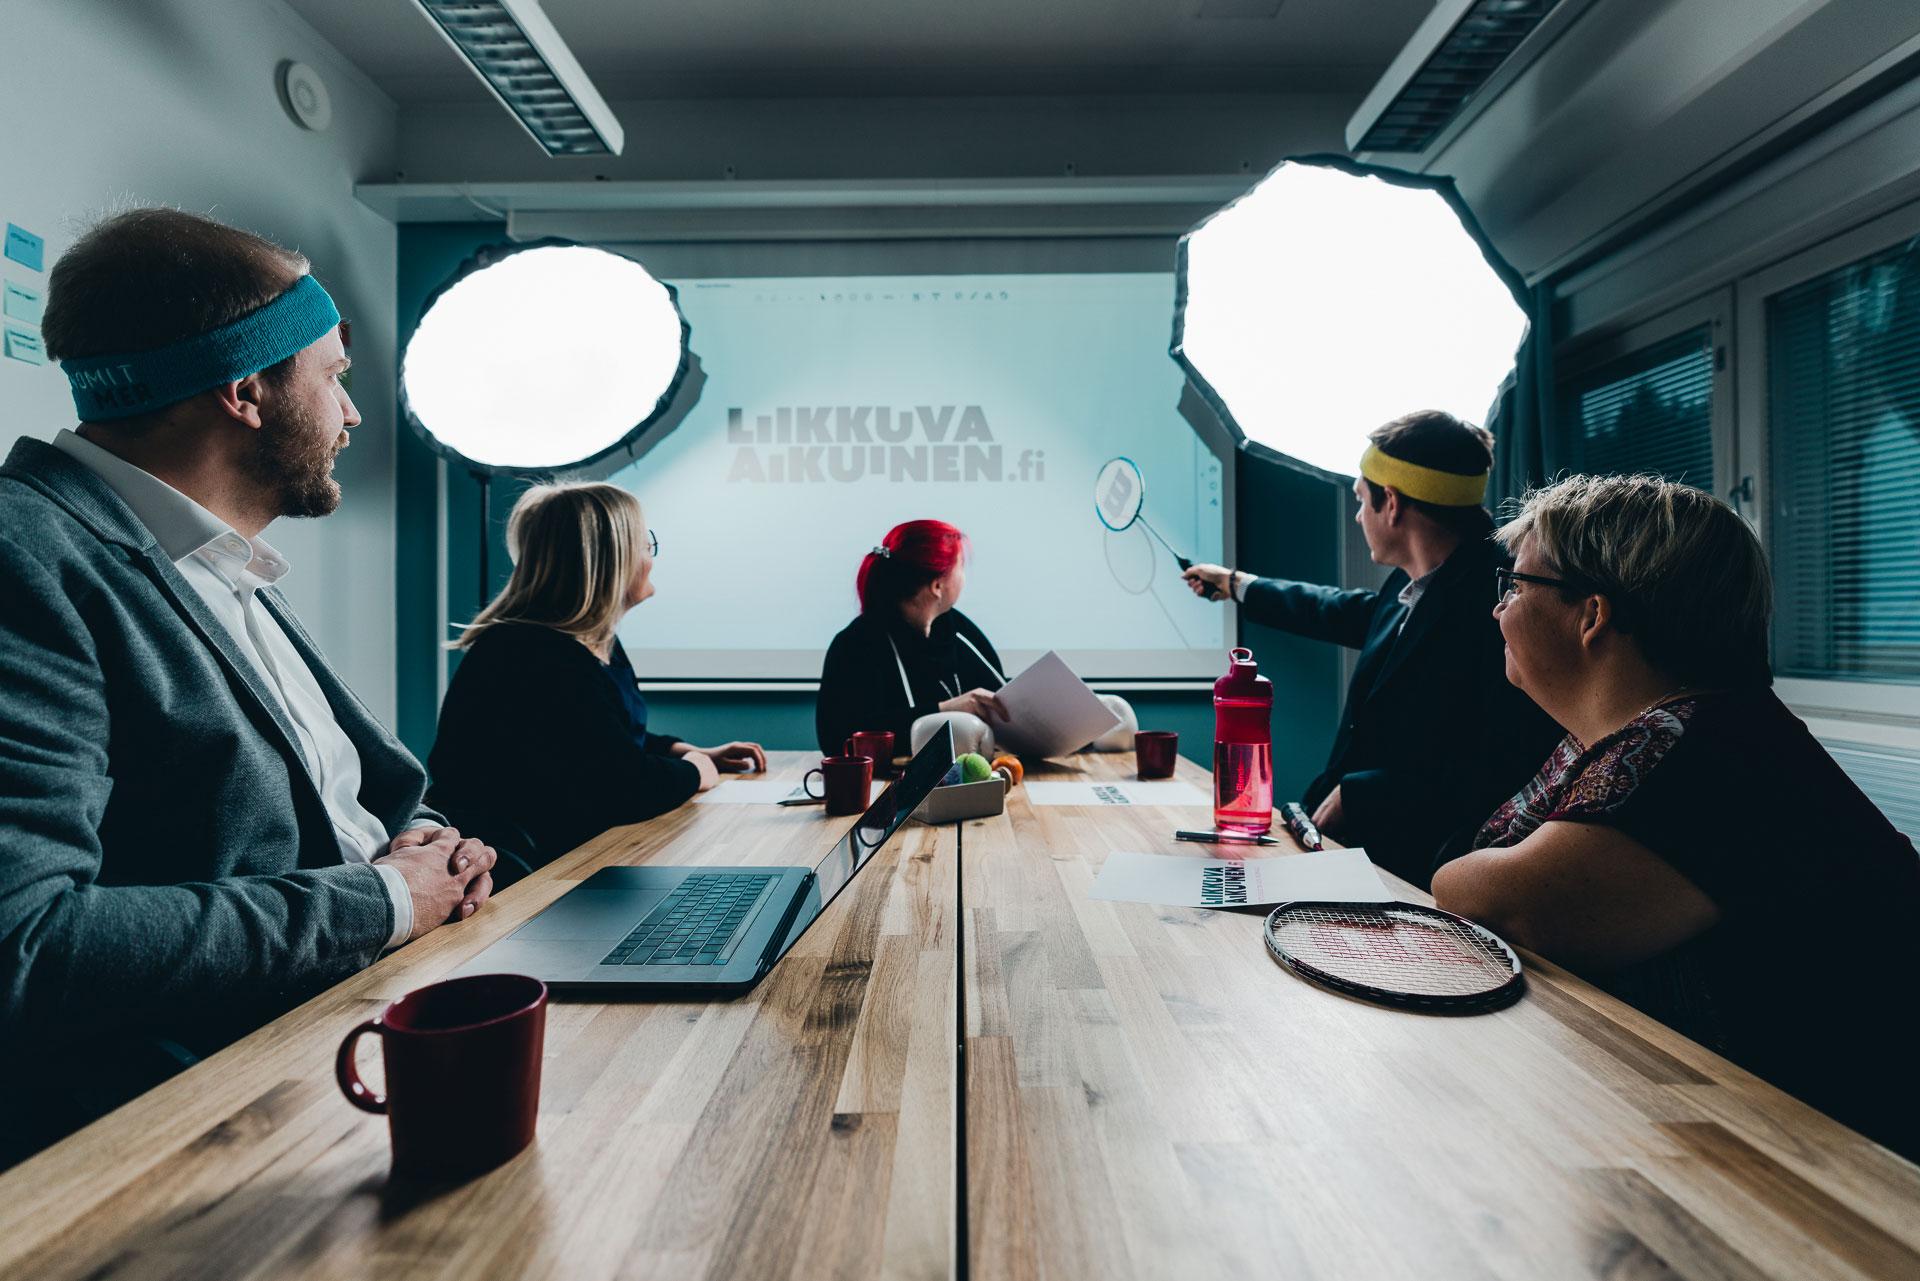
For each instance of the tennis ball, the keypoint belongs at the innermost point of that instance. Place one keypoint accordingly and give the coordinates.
(973, 767)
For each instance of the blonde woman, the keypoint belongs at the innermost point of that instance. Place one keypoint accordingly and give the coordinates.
(543, 737)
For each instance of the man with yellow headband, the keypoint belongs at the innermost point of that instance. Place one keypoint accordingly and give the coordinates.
(200, 825)
(1432, 736)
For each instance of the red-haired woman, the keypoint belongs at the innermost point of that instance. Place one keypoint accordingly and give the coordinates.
(910, 653)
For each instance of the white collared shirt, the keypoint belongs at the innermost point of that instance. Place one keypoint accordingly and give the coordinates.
(228, 571)
(1411, 593)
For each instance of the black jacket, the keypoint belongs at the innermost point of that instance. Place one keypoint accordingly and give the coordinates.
(536, 736)
(861, 686)
(1432, 737)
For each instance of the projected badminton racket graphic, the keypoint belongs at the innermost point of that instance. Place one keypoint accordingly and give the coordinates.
(1120, 499)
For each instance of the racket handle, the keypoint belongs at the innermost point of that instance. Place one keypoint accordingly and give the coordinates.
(1300, 827)
(1206, 589)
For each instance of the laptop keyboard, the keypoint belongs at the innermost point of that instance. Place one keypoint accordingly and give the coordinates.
(694, 925)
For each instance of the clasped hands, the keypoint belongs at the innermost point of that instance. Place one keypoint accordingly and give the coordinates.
(449, 876)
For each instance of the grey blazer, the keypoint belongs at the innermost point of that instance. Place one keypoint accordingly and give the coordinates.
(167, 868)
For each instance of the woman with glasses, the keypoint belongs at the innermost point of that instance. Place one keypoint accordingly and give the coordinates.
(544, 740)
(1690, 845)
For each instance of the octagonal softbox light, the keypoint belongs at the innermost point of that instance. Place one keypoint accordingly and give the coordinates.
(1334, 297)
(543, 356)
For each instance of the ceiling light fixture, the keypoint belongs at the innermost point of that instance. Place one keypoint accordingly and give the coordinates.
(513, 47)
(1460, 48)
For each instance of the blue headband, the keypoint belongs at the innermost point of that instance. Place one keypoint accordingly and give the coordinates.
(108, 387)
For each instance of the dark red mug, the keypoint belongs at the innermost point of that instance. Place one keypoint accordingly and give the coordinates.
(877, 743)
(463, 1073)
(1155, 751)
(845, 781)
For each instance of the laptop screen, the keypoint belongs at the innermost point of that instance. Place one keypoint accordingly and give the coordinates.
(856, 848)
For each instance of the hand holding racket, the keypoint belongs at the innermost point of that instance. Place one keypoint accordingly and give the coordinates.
(1215, 582)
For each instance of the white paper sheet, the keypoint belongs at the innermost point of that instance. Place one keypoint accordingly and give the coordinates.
(1330, 876)
(748, 791)
(1050, 711)
(1172, 791)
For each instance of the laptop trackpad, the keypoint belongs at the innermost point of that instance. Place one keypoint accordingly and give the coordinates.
(591, 913)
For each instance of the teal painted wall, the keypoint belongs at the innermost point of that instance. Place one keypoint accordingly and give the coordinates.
(1287, 526)
(428, 254)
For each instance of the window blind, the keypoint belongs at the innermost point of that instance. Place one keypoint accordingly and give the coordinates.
(1648, 411)
(1843, 457)
(1890, 779)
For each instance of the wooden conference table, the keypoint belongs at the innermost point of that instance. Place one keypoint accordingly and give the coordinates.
(1146, 1094)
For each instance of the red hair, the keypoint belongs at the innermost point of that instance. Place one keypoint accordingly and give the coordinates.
(917, 553)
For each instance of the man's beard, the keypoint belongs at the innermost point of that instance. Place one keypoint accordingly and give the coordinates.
(291, 459)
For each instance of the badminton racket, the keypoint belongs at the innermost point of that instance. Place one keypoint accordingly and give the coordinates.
(1396, 954)
(1120, 496)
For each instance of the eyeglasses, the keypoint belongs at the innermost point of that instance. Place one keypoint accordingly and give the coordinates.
(653, 543)
(1504, 579)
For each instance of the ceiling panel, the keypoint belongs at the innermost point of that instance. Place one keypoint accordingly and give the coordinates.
(700, 48)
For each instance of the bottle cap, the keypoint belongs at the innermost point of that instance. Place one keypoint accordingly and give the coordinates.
(1243, 677)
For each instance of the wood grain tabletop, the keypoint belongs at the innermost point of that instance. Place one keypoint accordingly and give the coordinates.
(1149, 1095)
(803, 1130)
(1145, 1094)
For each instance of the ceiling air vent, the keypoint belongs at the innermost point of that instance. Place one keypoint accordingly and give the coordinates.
(513, 47)
(1461, 48)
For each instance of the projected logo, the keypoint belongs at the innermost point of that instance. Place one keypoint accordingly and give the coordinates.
(823, 444)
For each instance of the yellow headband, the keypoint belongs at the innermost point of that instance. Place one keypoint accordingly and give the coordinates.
(1428, 484)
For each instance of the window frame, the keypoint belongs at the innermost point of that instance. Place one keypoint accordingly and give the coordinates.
(1866, 701)
(1584, 354)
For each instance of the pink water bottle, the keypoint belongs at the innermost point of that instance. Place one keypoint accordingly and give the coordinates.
(1243, 748)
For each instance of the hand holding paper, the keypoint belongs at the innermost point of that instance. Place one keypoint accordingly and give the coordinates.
(1050, 711)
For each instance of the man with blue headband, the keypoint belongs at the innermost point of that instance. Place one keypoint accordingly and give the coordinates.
(200, 825)
(1432, 737)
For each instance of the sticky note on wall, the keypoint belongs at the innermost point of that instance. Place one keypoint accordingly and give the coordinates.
(20, 303)
(23, 343)
(26, 248)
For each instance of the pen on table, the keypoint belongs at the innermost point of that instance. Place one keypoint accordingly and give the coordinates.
(1224, 838)
(803, 800)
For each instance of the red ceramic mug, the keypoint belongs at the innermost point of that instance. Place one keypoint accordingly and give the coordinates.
(845, 781)
(877, 743)
(1155, 751)
(463, 1073)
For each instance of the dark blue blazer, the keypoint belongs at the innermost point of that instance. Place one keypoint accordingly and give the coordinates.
(1432, 737)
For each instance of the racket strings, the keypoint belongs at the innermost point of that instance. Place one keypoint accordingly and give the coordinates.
(1392, 950)
(1117, 499)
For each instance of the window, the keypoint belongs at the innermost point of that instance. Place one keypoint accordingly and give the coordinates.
(1650, 410)
(1843, 469)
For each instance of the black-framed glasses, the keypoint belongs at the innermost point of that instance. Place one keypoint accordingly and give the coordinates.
(653, 543)
(1504, 579)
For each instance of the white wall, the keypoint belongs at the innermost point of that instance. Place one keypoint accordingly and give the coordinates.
(119, 102)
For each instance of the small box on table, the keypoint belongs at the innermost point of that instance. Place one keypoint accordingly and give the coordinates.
(956, 801)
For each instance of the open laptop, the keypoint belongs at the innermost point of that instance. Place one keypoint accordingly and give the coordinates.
(707, 929)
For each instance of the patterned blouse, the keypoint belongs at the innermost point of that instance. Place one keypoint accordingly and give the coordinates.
(1588, 785)
(1585, 783)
